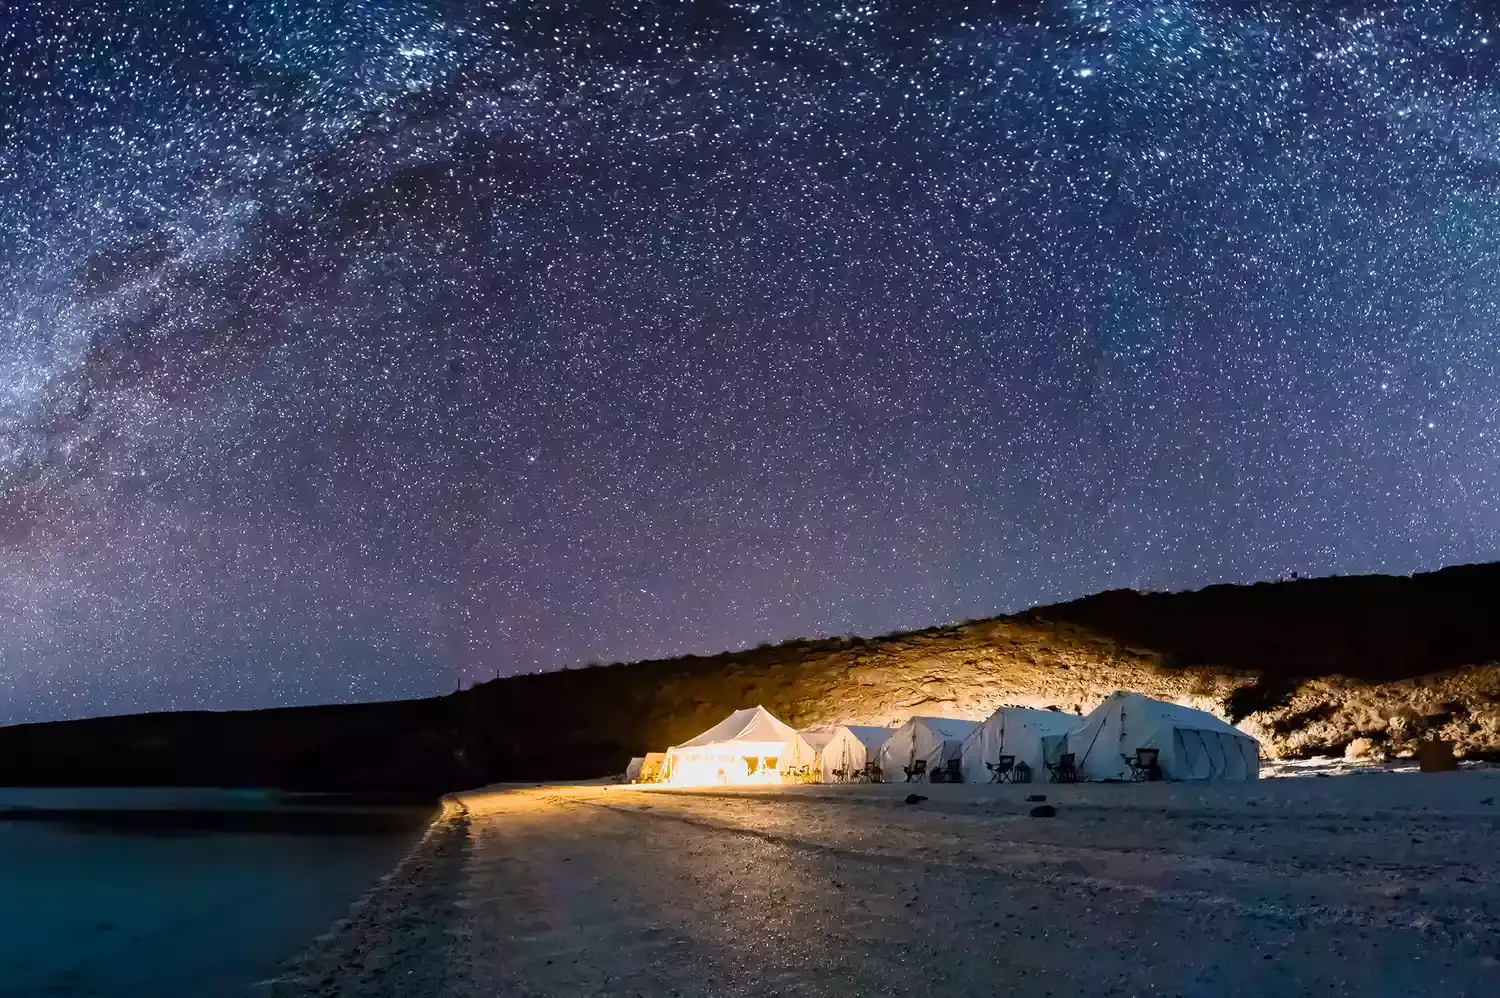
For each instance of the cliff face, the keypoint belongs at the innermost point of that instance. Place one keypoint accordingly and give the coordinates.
(1308, 666)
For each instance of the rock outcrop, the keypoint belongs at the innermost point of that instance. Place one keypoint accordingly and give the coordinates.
(1308, 666)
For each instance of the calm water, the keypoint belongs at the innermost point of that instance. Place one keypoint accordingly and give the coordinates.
(115, 902)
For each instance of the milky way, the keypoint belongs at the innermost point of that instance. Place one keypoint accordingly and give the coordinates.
(351, 348)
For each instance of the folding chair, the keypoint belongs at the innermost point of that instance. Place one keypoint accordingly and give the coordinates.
(1146, 764)
(1004, 770)
(1065, 770)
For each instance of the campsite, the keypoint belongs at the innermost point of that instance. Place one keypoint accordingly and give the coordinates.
(949, 857)
(1129, 737)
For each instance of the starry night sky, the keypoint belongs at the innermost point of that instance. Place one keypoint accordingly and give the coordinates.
(350, 347)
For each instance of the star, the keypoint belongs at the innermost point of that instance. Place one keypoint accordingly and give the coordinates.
(349, 347)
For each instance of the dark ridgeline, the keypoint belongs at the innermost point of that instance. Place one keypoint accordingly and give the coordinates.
(1252, 647)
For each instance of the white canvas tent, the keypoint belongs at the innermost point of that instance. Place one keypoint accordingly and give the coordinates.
(1194, 744)
(748, 746)
(1019, 731)
(633, 769)
(819, 736)
(934, 739)
(850, 748)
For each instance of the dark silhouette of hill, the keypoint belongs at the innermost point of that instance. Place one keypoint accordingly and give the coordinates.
(1310, 666)
(1377, 627)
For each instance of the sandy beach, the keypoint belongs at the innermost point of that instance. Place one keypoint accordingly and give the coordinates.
(1381, 884)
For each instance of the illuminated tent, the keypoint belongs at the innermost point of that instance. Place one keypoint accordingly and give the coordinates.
(1019, 731)
(633, 770)
(850, 748)
(1193, 744)
(748, 746)
(934, 739)
(651, 767)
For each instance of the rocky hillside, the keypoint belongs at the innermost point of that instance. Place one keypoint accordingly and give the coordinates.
(1311, 667)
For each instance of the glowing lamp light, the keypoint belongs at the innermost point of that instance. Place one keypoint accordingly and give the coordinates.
(730, 764)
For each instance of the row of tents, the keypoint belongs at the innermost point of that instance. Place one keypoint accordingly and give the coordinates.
(751, 746)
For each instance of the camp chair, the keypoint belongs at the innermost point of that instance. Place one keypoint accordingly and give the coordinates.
(873, 773)
(953, 771)
(1021, 774)
(1143, 765)
(837, 774)
(916, 772)
(1002, 771)
(1149, 757)
(1065, 770)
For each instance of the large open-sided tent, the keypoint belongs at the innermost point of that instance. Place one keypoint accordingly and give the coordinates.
(1015, 731)
(1193, 744)
(934, 740)
(633, 769)
(748, 746)
(850, 749)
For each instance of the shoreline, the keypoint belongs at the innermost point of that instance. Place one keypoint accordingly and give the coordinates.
(389, 942)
